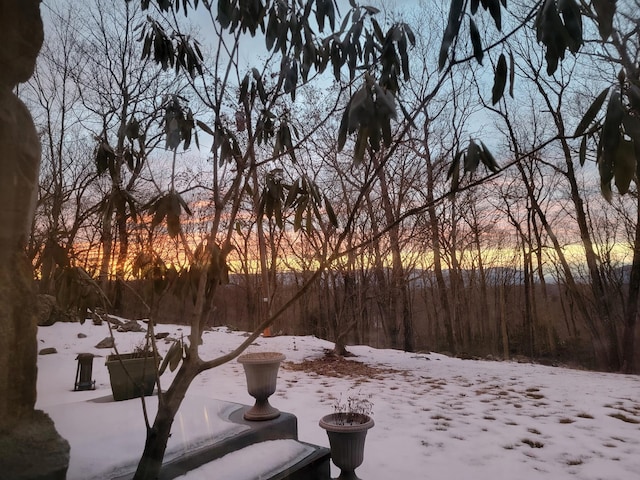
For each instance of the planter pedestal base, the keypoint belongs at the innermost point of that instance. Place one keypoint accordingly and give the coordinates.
(347, 476)
(261, 411)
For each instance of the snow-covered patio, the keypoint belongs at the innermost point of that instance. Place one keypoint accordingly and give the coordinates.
(436, 417)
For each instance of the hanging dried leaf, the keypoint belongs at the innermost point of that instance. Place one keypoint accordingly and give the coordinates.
(128, 158)
(291, 78)
(292, 195)
(633, 93)
(330, 212)
(455, 165)
(259, 85)
(173, 224)
(182, 204)
(625, 165)
(591, 112)
(572, 23)
(343, 128)
(472, 157)
(133, 129)
(360, 147)
(582, 155)
(552, 33)
(488, 159)
(605, 11)
(495, 11)
(451, 31)
(500, 80)
(611, 129)
(300, 210)
(476, 41)
(454, 171)
(172, 358)
(104, 156)
(204, 127)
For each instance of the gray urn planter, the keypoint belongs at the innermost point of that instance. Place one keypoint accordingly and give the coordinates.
(131, 375)
(347, 433)
(261, 371)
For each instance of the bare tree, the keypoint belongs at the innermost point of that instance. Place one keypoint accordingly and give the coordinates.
(123, 97)
(66, 177)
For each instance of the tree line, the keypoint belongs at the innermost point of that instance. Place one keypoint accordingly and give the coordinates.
(418, 280)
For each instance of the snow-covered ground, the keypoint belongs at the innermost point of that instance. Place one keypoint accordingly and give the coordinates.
(436, 417)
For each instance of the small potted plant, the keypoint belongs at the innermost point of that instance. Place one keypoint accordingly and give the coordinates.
(261, 370)
(133, 374)
(347, 430)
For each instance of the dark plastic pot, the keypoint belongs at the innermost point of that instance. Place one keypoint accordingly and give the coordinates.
(131, 375)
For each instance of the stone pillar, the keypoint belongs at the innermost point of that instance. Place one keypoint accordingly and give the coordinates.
(29, 444)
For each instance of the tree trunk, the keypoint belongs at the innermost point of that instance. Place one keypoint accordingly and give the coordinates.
(107, 250)
(631, 314)
(264, 300)
(381, 283)
(437, 259)
(158, 434)
(541, 311)
(600, 348)
(484, 295)
(123, 253)
(456, 282)
(399, 297)
(601, 299)
(504, 332)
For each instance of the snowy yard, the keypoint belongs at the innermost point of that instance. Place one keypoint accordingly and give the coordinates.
(436, 417)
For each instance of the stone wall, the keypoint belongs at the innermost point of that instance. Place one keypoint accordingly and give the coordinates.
(29, 444)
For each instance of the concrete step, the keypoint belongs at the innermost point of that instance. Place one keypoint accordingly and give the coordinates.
(281, 428)
(271, 460)
(316, 466)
